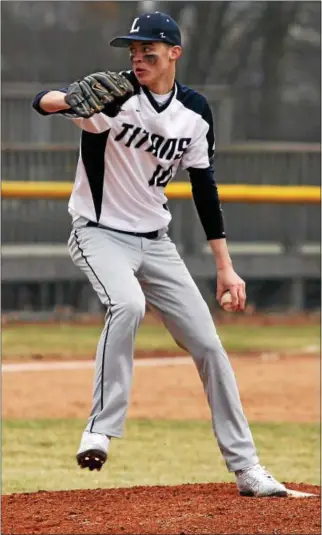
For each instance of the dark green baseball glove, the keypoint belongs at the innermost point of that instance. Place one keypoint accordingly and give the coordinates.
(91, 94)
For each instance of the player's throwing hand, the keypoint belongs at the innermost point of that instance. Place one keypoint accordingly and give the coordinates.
(227, 279)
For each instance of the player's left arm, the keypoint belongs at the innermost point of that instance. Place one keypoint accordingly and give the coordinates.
(199, 161)
(49, 103)
(89, 102)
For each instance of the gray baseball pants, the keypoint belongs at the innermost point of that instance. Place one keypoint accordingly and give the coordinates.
(127, 272)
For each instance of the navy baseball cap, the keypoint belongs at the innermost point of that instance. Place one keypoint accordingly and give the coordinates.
(151, 27)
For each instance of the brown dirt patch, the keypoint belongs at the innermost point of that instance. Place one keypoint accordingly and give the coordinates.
(185, 509)
(272, 389)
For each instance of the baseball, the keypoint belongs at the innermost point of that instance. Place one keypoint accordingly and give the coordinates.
(225, 301)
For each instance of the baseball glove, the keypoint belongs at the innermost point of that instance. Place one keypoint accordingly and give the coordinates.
(91, 94)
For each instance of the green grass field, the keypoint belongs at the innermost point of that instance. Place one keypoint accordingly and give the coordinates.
(40, 454)
(77, 341)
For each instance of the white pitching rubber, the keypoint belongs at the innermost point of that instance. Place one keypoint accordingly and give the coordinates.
(298, 494)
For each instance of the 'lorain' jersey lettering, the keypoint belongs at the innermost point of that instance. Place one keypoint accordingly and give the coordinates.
(126, 161)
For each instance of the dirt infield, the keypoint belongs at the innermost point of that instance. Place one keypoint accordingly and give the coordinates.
(185, 509)
(273, 388)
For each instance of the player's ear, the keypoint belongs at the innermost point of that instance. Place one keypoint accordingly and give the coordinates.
(175, 52)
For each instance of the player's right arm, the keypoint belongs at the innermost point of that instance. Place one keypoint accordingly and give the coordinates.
(199, 161)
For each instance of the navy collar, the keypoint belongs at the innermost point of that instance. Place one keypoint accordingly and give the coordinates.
(154, 103)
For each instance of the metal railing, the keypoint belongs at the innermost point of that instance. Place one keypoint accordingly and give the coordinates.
(268, 241)
(251, 163)
(47, 264)
(255, 163)
(47, 220)
(179, 190)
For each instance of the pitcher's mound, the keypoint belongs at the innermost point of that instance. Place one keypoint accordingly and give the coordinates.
(199, 508)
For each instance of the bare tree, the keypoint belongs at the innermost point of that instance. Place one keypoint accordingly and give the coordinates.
(276, 20)
(267, 52)
(214, 38)
(195, 42)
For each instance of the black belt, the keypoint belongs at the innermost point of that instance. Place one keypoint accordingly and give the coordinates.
(150, 235)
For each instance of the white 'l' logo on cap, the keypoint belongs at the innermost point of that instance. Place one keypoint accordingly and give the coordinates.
(162, 35)
(135, 29)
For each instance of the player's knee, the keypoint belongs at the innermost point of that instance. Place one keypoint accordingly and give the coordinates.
(210, 347)
(134, 306)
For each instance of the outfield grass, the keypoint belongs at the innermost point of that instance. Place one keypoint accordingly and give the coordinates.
(72, 341)
(40, 454)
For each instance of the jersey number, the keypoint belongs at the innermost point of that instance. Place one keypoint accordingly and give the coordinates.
(161, 176)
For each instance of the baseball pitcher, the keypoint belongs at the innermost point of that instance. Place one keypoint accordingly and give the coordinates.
(137, 128)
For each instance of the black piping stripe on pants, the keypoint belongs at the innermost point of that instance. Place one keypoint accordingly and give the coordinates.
(109, 323)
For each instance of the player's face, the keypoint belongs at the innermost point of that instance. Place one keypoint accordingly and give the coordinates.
(151, 61)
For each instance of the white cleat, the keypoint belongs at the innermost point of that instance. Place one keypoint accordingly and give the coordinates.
(255, 481)
(92, 451)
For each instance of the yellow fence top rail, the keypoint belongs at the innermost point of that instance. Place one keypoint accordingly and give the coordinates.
(243, 193)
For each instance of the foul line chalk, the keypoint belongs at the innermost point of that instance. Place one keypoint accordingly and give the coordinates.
(89, 364)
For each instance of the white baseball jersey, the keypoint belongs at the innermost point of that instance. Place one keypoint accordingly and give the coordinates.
(126, 161)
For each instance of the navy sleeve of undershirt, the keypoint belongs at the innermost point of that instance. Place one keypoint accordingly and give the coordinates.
(204, 188)
(206, 199)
